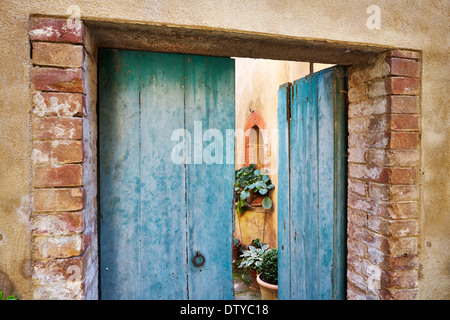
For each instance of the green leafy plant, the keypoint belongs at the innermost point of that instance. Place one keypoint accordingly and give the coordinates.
(237, 243)
(252, 257)
(257, 243)
(249, 183)
(269, 267)
(10, 297)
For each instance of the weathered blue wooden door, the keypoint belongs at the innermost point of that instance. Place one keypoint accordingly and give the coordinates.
(165, 194)
(312, 187)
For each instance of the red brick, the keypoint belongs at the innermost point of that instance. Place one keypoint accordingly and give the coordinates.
(68, 175)
(357, 124)
(404, 67)
(403, 104)
(357, 186)
(357, 92)
(404, 228)
(356, 248)
(356, 217)
(404, 140)
(393, 228)
(377, 241)
(53, 79)
(376, 88)
(55, 30)
(58, 104)
(407, 279)
(57, 128)
(394, 193)
(359, 202)
(364, 108)
(356, 155)
(408, 262)
(404, 122)
(403, 246)
(57, 247)
(379, 122)
(58, 223)
(404, 193)
(355, 262)
(72, 290)
(58, 270)
(407, 54)
(58, 151)
(357, 280)
(356, 232)
(393, 294)
(403, 158)
(400, 210)
(372, 140)
(364, 172)
(397, 176)
(382, 175)
(402, 85)
(377, 157)
(57, 54)
(379, 192)
(64, 199)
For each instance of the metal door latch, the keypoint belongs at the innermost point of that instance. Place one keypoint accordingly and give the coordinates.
(197, 257)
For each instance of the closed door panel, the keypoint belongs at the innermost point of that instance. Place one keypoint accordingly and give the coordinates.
(159, 207)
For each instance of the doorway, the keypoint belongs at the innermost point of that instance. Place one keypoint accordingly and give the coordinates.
(262, 95)
(155, 197)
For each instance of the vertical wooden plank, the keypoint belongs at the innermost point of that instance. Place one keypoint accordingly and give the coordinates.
(284, 255)
(119, 204)
(311, 189)
(163, 204)
(340, 185)
(209, 106)
(326, 180)
(298, 186)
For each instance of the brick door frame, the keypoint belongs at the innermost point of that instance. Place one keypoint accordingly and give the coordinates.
(383, 164)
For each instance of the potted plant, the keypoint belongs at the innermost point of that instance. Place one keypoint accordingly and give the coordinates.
(257, 243)
(268, 275)
(251, 184)
(236, 247)
(251, 259)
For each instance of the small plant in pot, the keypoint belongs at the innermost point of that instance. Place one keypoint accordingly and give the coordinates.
(236, 247)
(251, 259)
(250, 184)
(268, 275)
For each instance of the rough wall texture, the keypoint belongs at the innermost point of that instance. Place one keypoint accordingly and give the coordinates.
(420, 26)
(64, 161)
(383, 177)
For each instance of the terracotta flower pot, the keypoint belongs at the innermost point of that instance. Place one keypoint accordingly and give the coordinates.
(257, 200)
(268, 291)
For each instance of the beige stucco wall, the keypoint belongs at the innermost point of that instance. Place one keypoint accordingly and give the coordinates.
(420, 25)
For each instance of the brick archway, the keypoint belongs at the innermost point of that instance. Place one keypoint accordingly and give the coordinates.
(256, 120)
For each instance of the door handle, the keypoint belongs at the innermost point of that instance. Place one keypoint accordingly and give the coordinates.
(197, 257)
